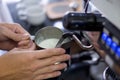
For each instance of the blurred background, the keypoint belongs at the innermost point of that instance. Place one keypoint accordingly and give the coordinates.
(43, 12)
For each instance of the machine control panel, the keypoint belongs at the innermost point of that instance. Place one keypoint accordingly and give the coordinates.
(109, 41)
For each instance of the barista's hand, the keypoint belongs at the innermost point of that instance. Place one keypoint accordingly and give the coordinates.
(32, 65)
(94, 36)
(13, 35)
(31, 46)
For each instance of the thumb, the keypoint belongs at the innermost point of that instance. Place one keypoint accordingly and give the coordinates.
(16, 36)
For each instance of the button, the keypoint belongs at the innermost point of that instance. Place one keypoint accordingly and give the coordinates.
(104, 36)
(108, 41)
(113, 46)
(118, 51)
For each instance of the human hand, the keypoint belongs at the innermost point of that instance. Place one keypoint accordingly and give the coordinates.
(94, 36)
(13, 35)
(32, 65)
(31, 46)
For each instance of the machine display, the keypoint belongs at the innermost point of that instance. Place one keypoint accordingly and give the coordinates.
(83, 21)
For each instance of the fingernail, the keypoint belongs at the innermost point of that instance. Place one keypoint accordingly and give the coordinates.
(64, 64)
(62, 50)
(25, 36)
(58, 73)
(68, 56)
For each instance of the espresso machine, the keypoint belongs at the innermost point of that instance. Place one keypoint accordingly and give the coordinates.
(106, 22)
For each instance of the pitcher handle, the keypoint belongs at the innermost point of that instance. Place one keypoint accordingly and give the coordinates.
(81, 44)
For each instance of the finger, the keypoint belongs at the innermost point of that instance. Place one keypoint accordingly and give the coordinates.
(14, 27)
(33, 47)
(48, 75)
(16, 37)
(50, 61)
(50, 68)
(11, 35)
(49, 52)
(9, 31)
(41, 54)
(24, 43)
(30, 46)
(24, 47)
(25, 37)
(20, 50)
(19, 29)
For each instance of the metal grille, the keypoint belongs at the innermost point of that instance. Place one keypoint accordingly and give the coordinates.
(110, 75)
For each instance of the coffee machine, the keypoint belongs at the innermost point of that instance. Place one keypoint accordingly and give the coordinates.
(106, 22)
